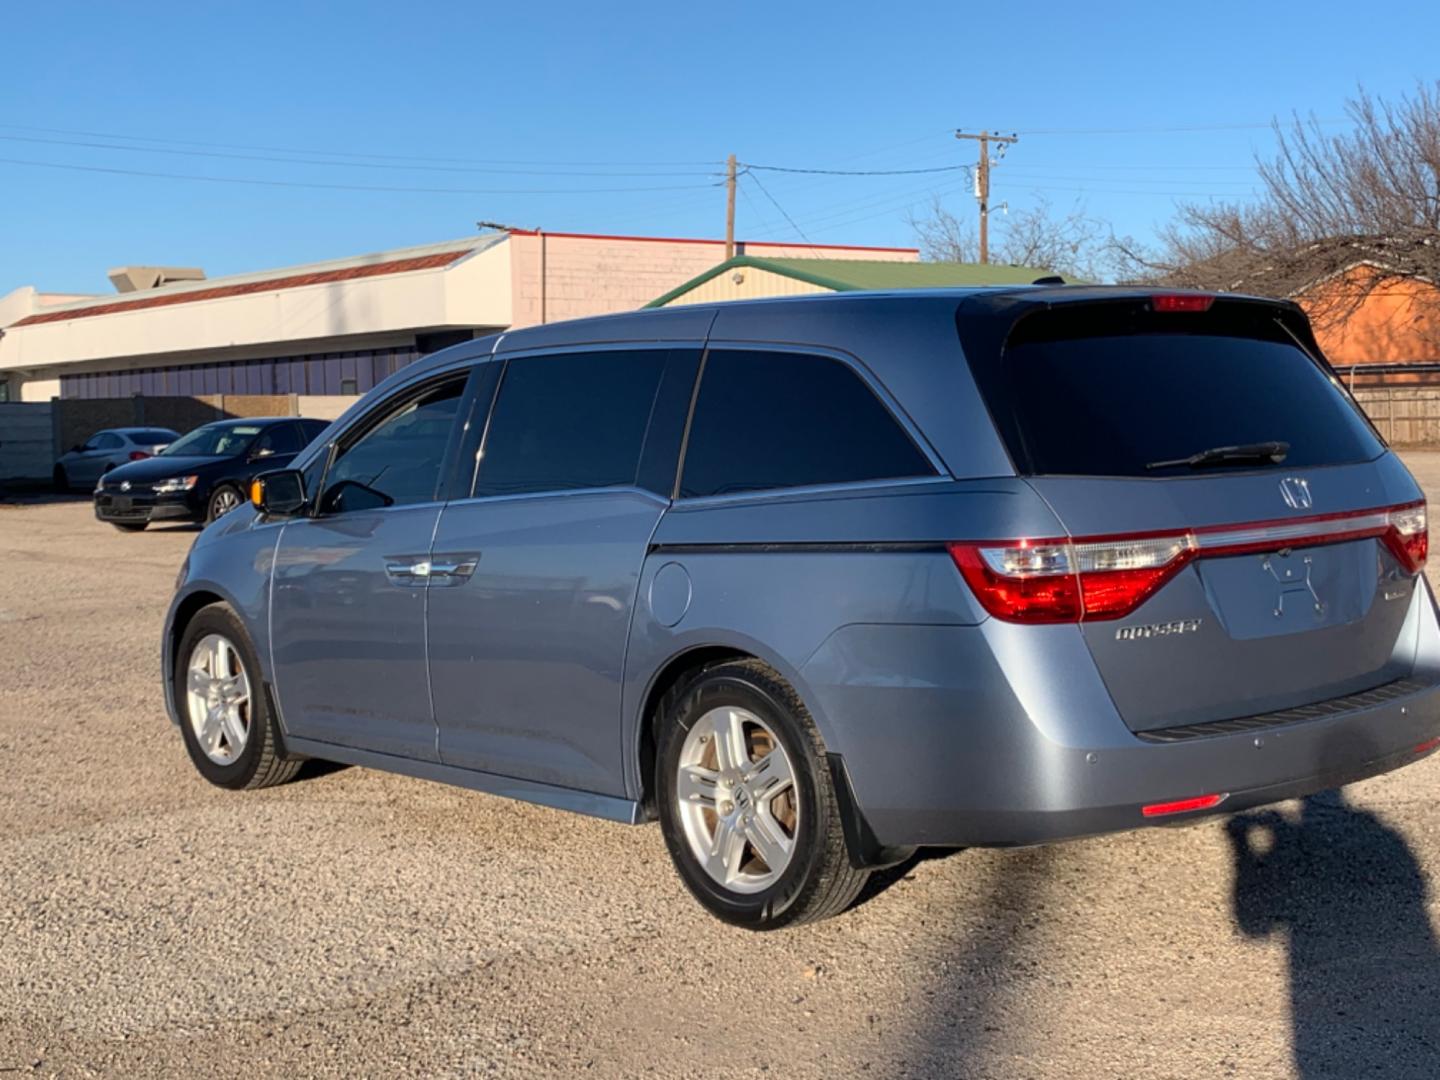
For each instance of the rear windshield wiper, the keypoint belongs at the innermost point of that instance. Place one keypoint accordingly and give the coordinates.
(1217, 455)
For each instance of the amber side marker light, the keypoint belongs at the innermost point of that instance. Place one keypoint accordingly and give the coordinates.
(1183, 806)
(257, 491)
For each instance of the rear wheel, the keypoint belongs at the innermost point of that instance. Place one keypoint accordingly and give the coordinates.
(746, 804)
(222, 500)
(230, 733)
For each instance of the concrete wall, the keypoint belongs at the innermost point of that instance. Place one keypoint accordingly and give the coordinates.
(26, 452)
(323, 406)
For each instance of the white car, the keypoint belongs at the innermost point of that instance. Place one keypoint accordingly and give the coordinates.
(81, 466)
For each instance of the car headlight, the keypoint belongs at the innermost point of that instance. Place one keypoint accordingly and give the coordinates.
(174, 484)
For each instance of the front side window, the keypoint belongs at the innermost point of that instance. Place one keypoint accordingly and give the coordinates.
(280, 439)
(570, 422)
(397, 462)
(777, 420)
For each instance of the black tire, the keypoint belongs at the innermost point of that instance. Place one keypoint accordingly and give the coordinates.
(263, 761)
(130, 526)
(819, 880)
(222, 492)
(61, 480)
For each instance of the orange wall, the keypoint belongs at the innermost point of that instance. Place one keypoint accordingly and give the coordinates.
(597, 275)
(1398, 322)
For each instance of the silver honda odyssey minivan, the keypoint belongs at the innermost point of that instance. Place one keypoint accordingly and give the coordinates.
(820, 580)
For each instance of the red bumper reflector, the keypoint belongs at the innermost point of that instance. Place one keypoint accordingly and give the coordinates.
(1428, 745)
(1182, 806)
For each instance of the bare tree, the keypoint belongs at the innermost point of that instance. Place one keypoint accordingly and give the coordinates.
(1328, 203)
(1073, 245)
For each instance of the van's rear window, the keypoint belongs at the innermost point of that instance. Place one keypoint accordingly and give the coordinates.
(1099, 392)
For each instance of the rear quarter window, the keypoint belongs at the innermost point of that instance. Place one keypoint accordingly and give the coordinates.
(766, 420)
(1108, 391)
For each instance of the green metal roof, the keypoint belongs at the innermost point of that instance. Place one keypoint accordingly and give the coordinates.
(847, 275)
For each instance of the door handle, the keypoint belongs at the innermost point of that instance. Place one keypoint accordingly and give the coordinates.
(453, 569)
(418, 572)
(407, 570)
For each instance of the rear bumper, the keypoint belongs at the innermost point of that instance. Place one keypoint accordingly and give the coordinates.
(1109, 789)
(980, 736)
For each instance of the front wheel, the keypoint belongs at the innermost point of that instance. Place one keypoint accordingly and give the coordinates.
(746, 803)
(222, 500)
(230, 733)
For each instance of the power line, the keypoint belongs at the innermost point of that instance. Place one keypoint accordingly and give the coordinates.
(255, 181)
(328, 164)
(765, 191)
(350, 153)
(1175, 130)
(856, 172)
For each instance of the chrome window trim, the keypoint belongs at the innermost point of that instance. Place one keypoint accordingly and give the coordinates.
(767, 494)
(568, 493)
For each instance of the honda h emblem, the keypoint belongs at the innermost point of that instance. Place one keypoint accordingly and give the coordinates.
(1295, 492)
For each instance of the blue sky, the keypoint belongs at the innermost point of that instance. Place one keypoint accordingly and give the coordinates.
(532, 109)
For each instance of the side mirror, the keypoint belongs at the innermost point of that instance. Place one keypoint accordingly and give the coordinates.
(281, 492)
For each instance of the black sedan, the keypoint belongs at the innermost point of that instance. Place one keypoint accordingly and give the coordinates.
(204, 474)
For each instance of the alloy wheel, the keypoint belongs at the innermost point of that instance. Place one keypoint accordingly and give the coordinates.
(217, 698)
(736, 799)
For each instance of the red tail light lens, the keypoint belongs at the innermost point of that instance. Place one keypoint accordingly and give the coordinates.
(1066, 580)
(1409, 536)
(138, 455)
(1107, 577)
(1181, 302)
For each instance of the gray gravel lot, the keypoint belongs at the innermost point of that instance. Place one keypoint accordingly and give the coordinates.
(354, 923)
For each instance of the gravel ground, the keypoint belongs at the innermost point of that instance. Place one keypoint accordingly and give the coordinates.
(354, 923)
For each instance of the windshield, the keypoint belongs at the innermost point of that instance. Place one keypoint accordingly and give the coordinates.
(214, 440)
(1084, 393)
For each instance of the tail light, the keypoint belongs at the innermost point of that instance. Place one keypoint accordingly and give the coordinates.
(1107, 577)
(138, 455)
(1176, 302)
(1409, 536)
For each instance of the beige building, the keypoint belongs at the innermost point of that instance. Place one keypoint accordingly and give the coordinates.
(752, 276)
(334, 329)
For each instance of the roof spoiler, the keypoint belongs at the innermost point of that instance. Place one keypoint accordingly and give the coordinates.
(1049, 279)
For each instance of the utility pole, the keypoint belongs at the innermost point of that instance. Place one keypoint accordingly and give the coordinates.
(730, 207)
(982, 181)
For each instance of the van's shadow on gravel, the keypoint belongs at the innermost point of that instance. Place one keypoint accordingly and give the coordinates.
(1349, 897)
